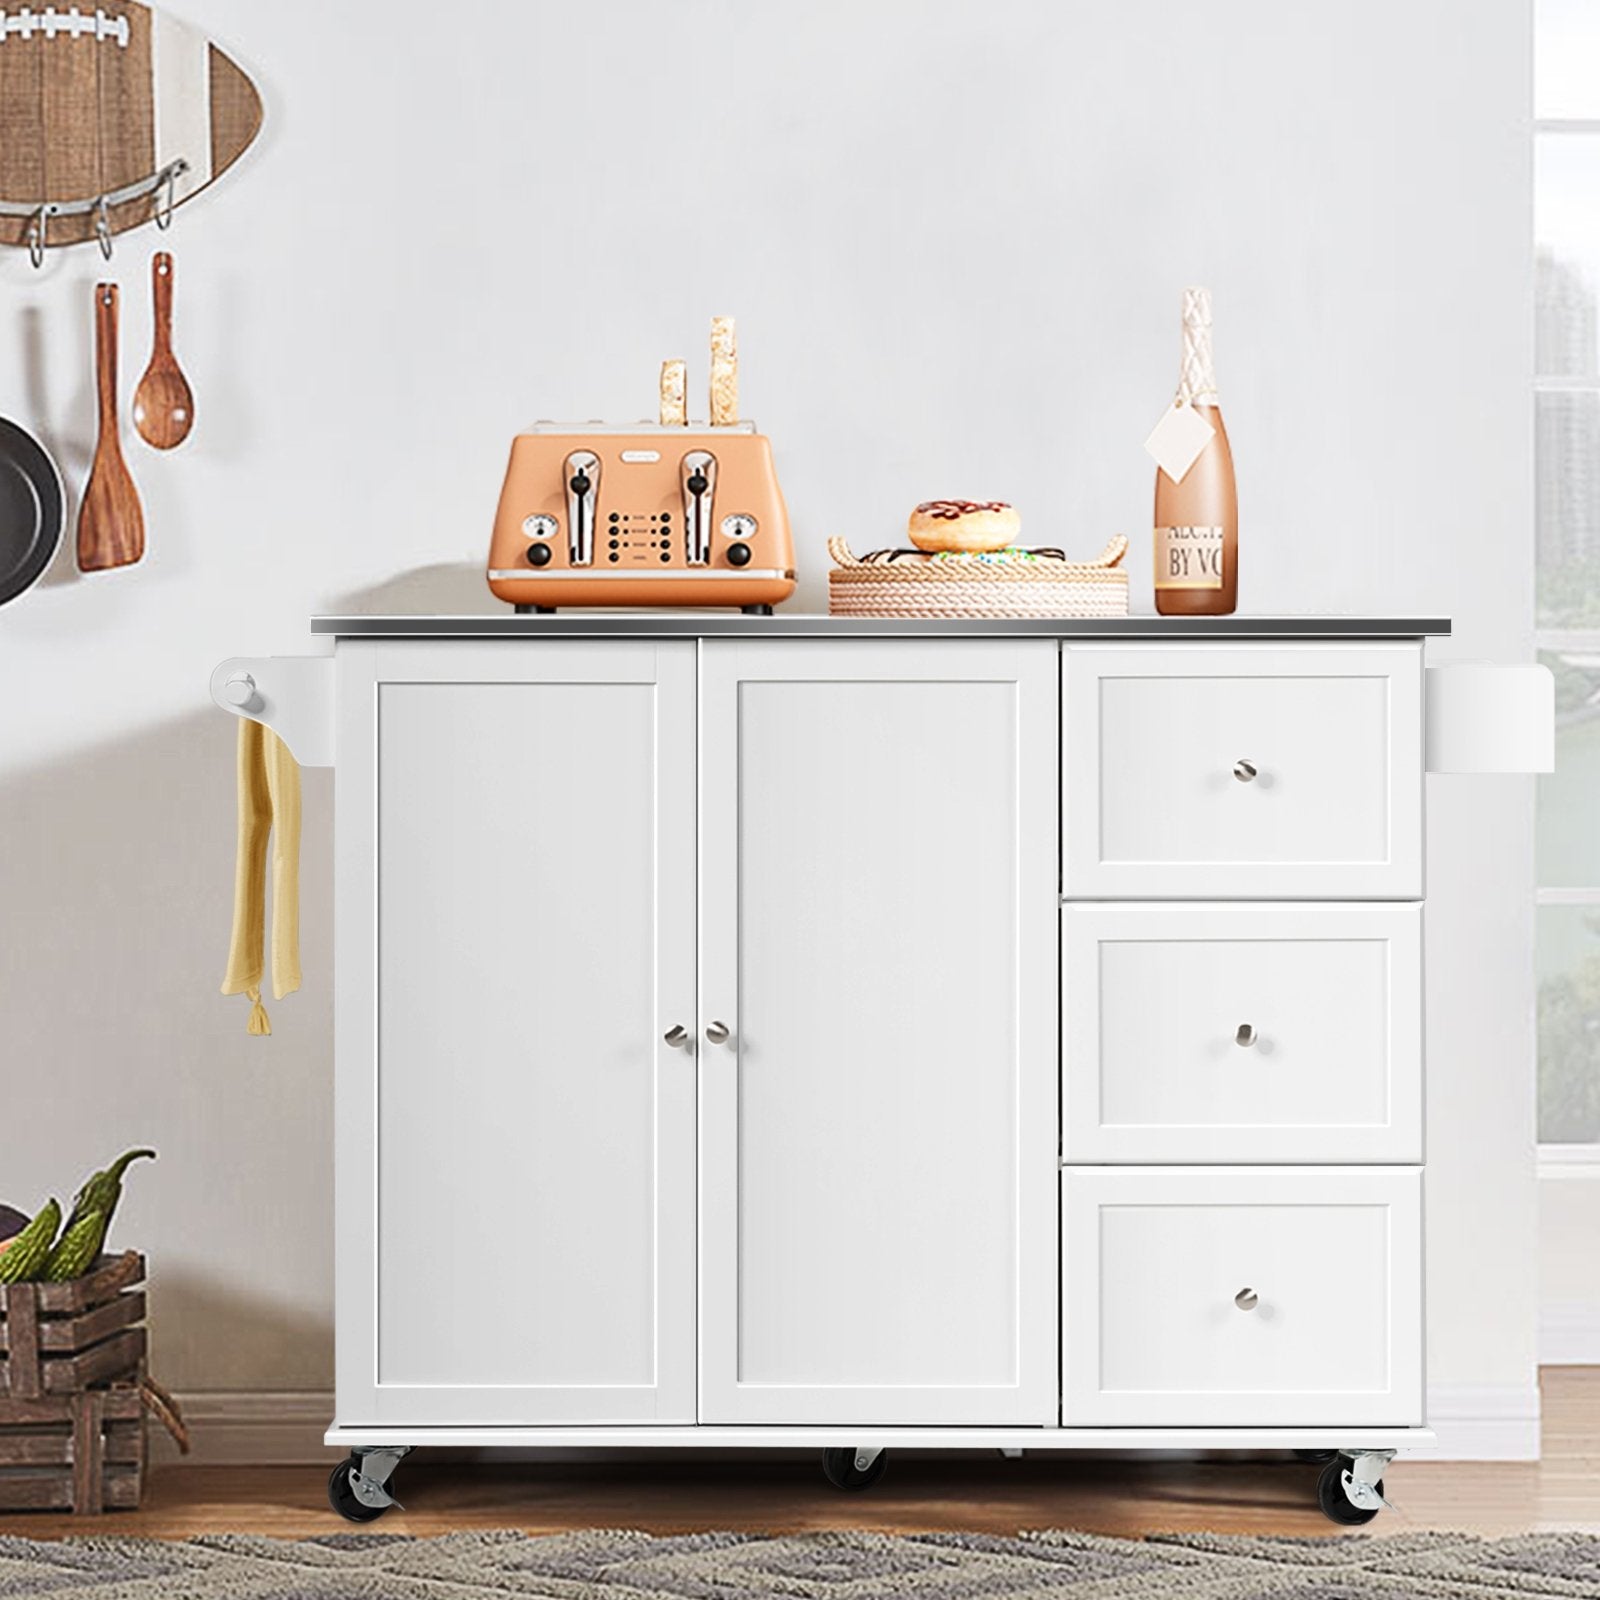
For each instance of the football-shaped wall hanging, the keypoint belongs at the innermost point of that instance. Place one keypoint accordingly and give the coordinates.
(110, 117)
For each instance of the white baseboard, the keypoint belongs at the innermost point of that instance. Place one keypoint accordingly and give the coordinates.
(1473, 1423)
(251, 1429)
(1569, 1334)
(1484, 1422)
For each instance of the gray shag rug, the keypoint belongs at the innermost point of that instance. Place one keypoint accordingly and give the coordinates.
(824, 1566)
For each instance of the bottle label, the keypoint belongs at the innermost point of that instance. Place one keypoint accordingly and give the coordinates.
(1188, 557)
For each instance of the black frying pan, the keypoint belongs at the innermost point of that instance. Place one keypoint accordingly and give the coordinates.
(32, 510)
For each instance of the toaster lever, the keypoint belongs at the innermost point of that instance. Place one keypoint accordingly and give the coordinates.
(583, 489)
(699, 475)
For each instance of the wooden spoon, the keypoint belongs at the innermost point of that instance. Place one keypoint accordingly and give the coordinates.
(163, 405)
(110, 520)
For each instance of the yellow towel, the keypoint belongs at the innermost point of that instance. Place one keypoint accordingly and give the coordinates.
(269, 802)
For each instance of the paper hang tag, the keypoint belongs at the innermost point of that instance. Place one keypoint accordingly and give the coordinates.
(1177, 440)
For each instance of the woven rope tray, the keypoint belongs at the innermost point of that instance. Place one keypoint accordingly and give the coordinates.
(1011, 583)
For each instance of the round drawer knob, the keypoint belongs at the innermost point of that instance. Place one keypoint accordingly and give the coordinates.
(738, 554)
(539, 555)
(240, 690)
(1244, 771)
(1246, 1300)
(1246, 1035)
(718, 1032)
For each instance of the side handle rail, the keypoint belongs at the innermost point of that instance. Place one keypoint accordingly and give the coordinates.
(292, 695)
(1483, 718)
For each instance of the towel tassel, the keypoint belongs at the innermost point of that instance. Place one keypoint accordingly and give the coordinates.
(259, 1022)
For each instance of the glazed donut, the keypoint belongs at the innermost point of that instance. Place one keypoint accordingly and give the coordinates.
(964, 525)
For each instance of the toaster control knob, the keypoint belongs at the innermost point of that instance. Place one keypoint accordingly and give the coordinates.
(538, 555)
(698, 484)
(580, 483)
(738, 555)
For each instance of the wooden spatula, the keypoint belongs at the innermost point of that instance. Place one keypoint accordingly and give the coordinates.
(110, 520)
(163, 404)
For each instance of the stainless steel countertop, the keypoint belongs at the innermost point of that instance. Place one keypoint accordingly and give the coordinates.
(673, 624)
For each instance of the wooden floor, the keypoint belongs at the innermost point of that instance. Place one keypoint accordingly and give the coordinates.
(683, 1491)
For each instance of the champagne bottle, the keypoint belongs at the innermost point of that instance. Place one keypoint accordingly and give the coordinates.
(1197, 516)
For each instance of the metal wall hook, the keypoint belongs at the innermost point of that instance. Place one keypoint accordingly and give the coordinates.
(167, 183)
(160, 189)
(102, 226)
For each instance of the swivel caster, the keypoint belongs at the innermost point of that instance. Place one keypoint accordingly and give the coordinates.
(1349, 1490)
(854, 1469)
(1316, 1458)
(358, 1488)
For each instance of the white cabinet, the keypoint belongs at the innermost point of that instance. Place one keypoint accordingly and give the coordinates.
(1285, 772)
(1242, 1296)
(879, 1132)
(775, 1030)
(516, 1186)
(1197, 1032)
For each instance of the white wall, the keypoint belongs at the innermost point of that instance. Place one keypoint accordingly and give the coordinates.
(954, 235)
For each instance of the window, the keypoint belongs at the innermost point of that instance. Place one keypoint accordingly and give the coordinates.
(1567, 452)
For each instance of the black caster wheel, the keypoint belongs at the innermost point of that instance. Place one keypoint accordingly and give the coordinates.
(1335, 1503)
(342, 1495)
(1316, 1458)
(839, 1467)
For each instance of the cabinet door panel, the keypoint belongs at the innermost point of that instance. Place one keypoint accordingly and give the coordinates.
(878, 1136)
(531, 1150)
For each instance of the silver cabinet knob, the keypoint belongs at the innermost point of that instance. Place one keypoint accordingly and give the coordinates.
(1246, 1035)
(1246, 1300)
(677, 1036)
(1244, 771)
(717, 1032)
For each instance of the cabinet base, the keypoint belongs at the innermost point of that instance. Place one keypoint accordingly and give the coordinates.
(677, 1437)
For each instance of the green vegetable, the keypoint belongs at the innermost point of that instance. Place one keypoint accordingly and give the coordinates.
(30, 1250)
(104, 1189)
(79, 1247)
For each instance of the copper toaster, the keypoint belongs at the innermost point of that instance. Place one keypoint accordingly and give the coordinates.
(641, 515)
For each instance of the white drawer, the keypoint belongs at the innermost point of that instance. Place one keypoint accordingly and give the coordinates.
(1160, 744)
(1238, 1297)
(1241, 1033)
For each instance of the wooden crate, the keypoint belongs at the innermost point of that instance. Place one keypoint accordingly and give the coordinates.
(83, 1453)
(62, 1338)
(72, 1426)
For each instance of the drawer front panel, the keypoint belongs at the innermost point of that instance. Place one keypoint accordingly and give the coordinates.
(1237, 1297)
(1243, 772)
(1242, 1033)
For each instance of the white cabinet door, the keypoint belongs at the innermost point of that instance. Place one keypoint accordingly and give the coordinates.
(878, 934)
(1238, 1297)
(516, 935)
(1234, 1033)
(1242, 772)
